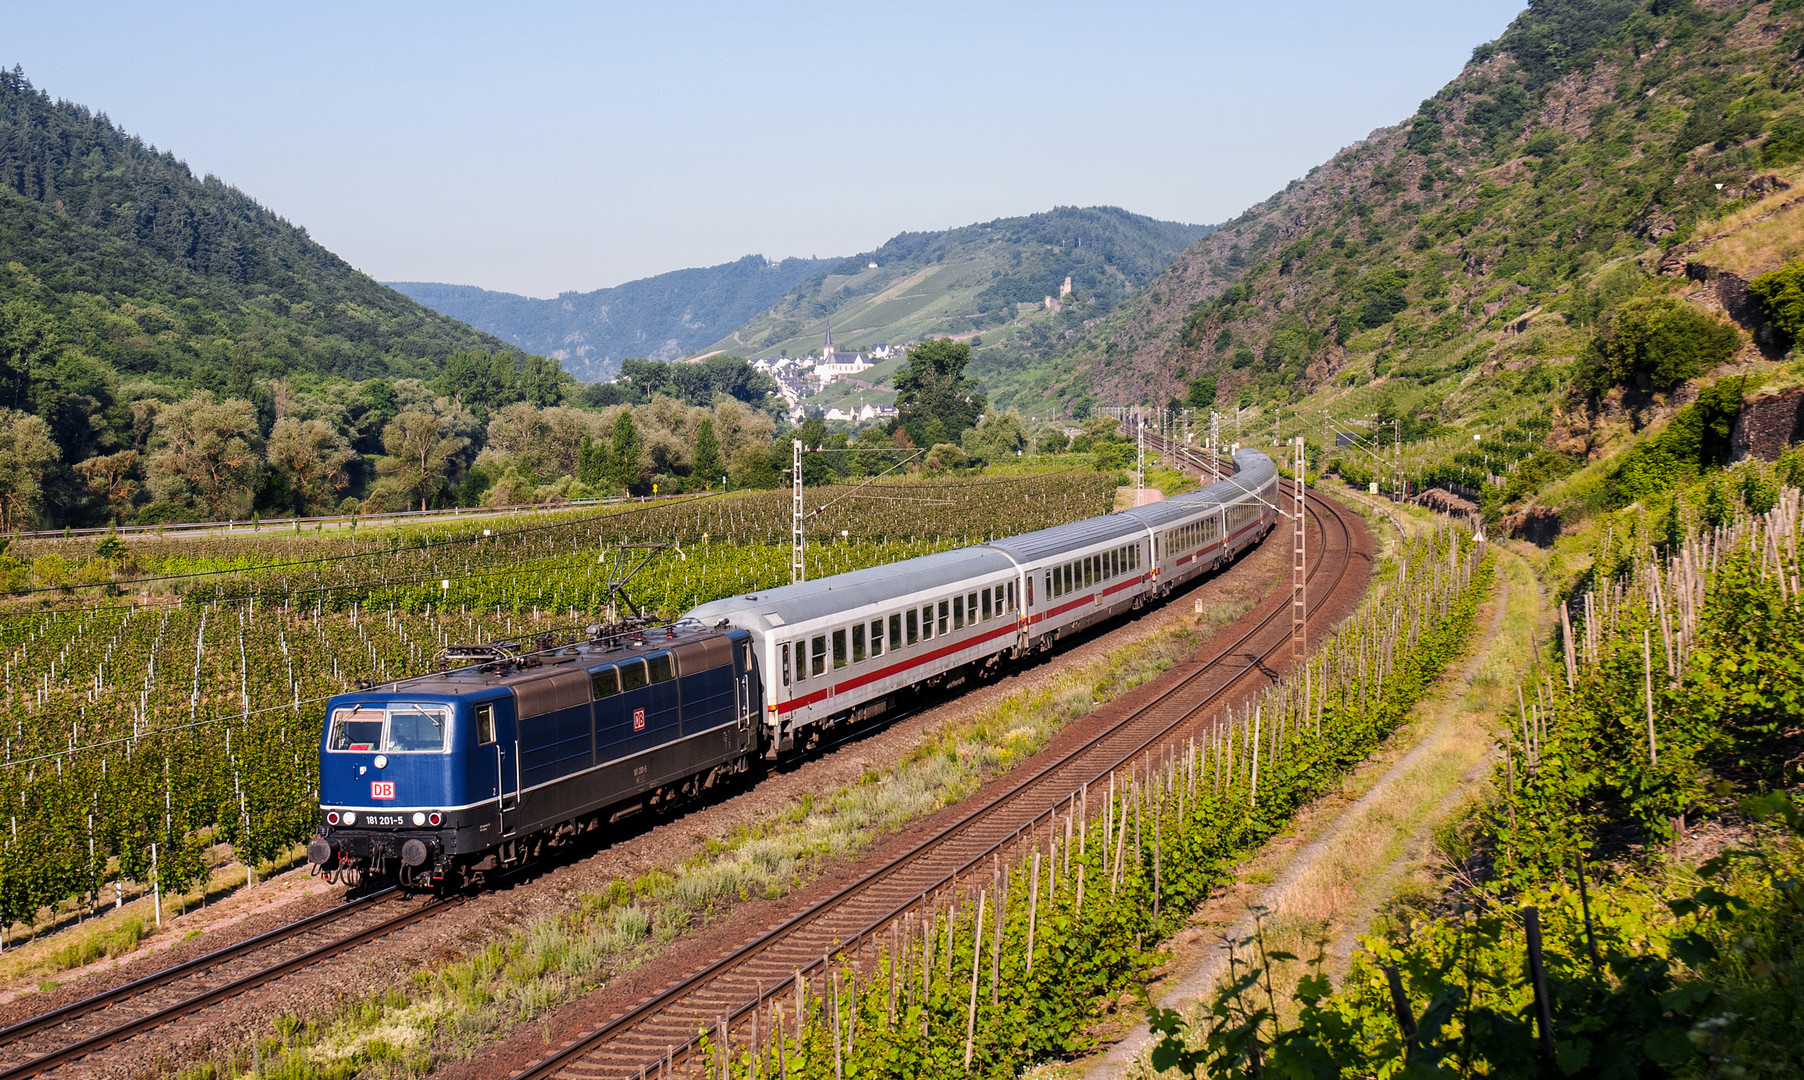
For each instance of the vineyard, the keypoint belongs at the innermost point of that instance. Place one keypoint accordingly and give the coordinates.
(1007, 967)
(1669, 711)
(189, 717)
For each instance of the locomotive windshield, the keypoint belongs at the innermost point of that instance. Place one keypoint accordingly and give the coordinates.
(402, 728)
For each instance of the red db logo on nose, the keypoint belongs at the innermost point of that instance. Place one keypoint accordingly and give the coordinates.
(382, 789)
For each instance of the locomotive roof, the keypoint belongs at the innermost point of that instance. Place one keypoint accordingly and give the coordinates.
(842, 592)
(577, 657)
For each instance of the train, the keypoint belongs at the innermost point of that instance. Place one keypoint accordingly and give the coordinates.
(441, 780)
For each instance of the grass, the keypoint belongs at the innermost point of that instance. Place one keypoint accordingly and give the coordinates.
(1759, 246)
(448, 1010)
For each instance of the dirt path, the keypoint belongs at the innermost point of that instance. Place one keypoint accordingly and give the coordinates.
(1318, 887)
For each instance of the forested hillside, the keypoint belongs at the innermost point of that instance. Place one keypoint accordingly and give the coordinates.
(126, 256)
(1545, 184)
(656, 318)
(971, 280)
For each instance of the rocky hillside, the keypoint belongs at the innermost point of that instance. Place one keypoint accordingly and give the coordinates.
(1575, 156)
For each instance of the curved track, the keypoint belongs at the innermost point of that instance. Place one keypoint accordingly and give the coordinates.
(60, 1036)
(735, 985)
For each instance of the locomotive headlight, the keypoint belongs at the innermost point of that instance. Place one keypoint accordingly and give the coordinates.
(381, 761)
(350, 817)
(419, 817)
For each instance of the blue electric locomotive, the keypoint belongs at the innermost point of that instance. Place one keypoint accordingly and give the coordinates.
(451, 775)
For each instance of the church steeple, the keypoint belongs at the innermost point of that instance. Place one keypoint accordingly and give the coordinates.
(827, 349)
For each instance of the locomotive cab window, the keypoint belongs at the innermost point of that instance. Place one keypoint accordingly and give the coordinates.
(632, 675)
(357, 728)
(604, 683)
(485, 723)
(413, 729)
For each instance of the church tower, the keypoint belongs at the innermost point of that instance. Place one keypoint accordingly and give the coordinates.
(827, 349)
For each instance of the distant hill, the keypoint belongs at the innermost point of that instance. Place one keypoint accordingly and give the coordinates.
(113, 248)
(659, 318)
(970, 281)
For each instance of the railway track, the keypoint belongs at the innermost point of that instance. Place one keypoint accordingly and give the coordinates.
(659, 1030)
(56, 1038)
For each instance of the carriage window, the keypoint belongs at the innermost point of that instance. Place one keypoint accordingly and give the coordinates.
(786, 663)
(632, 675)
(986, 603)
(858, 643)
(958, 612)
(819, 660)
(895, 631)
(1011, 592)
(839, 649)
(1089, 571)
(926, 622)
(943, 609)
(877, 637)
(485, 723)
(660, 668)
(357, 728)
(416, 730)
(911, 626)
(1070, 578)
(604, 683)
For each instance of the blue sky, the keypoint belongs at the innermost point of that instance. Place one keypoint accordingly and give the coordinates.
(545, 147)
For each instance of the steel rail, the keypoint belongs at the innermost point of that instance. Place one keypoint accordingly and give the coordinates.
(101, 1040)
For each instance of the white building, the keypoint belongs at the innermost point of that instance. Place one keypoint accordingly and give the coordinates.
(834, 364)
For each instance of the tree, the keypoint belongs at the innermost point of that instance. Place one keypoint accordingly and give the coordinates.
(1659, 340)
(626, 452)
(111, 478)
(205, 454)
(1202, 392)
(311, 456)
(27, 336)
(419, 453)
(997, 437)
(483, 381)
(27, 455)
(705, 463)
(544, 382)
(932, 387)
(1781, 296)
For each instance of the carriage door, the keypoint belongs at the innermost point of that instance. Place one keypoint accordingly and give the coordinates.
(743, 703)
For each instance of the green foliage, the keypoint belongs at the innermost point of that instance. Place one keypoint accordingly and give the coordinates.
(1781, 296)
(1655, 341)
(700, 383)
(1202, 392)
(1696, 438)
(933, 392)
(148, 269)
(706, 463)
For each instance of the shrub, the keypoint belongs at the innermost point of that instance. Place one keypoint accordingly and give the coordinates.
(1657, 340)
(1781, 296)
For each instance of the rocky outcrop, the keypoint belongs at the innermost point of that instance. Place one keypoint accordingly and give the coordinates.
(1766, 426)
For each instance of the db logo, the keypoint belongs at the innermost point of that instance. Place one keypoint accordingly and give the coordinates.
(382, 789)
(638, 719)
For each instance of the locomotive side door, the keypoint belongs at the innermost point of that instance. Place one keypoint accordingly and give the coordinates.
(744, 705)
(506, 751)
